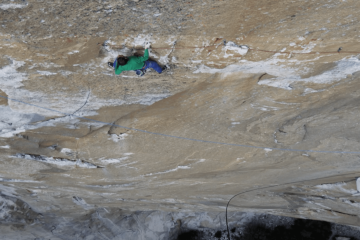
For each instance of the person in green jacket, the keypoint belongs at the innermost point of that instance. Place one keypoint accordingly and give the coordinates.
(138, 64)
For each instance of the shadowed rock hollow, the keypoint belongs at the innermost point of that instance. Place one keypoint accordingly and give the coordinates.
(257, 97)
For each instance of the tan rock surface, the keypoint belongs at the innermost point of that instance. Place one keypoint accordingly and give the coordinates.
(217, 123)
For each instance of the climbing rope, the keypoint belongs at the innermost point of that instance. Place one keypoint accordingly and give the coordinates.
(262, 188)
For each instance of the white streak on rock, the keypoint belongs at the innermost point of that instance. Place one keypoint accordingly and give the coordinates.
(12, 6)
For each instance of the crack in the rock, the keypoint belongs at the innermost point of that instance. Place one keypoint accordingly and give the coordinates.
(57, 160)
(261, 76)
(308, 195)
(111, 128)
(173, 47)
(330, 210)
(305, 129)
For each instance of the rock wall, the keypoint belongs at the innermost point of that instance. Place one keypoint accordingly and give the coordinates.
(260, 97)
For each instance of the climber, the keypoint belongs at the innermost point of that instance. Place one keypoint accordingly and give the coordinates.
(138, 64)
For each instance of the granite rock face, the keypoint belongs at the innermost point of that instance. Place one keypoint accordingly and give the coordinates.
(260, 98)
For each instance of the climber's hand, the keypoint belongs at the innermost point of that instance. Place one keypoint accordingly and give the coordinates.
(147, 45)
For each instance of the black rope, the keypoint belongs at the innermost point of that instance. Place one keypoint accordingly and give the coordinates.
(277, 185)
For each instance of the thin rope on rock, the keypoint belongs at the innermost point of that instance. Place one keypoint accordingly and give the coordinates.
(270, 186)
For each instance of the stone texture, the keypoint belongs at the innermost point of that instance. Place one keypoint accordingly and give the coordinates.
(299, 93)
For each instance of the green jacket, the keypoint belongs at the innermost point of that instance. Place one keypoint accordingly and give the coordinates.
(134, 63)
